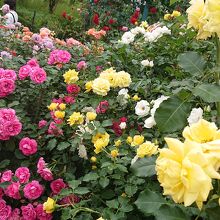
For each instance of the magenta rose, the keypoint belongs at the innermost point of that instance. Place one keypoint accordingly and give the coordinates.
(102, 107)
(7, 114)
(42, 123)
(5, 212)
(24, 72)
(15, 214)
(33, 63)
(7, 86)
(46, 174)
(13, 190)
(57, 185)
(23, 174)
(33, 190)
(73, 88)
(41, 214)
(41, 165)
(2, 204)
(69, 100)
(28, 146)
(28, 212)
(13, 128)
(10, 74)
(38, 75)
(6, 176)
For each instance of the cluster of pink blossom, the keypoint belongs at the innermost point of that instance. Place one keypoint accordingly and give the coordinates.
(7, 82)
(34, 71)
(59, 57)
(9, 124)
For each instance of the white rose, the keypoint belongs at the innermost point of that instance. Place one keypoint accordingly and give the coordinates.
(195, 115)
(142, 108)
(123, 92)
(82, 151)
(123, 125)
(149, 122)
(127, 37)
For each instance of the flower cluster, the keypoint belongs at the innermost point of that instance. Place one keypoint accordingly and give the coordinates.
(34, 71)
(9, 124)
(7, 82)
(96, 34)
(185, 170)
(174, 14)
(59, 57)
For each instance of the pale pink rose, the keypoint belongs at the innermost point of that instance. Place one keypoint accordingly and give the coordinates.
(23, 174)
(72, 42)
(41, 165)
(33, 190)
(24, 72)
(46, 174)
(124, 28)
(13, 128)
(28, 146)
(15, 215)
(36, 38)
(57, 185)
(7, 176)
(44, 32)
(13, 190)
(5, 9)
(10, 74)
(38, 75)
(5, 213)
(33, 63)
(28, 212)
(7, 86)
(7, 114)
(41, 214)
(81, 65)
(42, 123)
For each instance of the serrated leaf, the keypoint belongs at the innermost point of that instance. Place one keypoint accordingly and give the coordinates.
(51, 144)
(63, 146)
(74, 183)
(81, 190)
(192, 62)
(208, 92)
(107, 123)
(90, 177)
(144, 167)
(149, 202)
(104, 181)
(114, 204)
(172, 115)
(130, 190)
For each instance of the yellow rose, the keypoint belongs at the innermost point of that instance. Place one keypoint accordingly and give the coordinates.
(175, 14)
(100, 141)
(88, 86)
(185, 172)
(136, 98)
(129, 140)
(101, 86)
(52, 106)
(91, 116)
(137, 140)
(75, 118)
(59, 114)
(197, 18)
(144, 24)
(201, 132)
(114, 153)
(93, 159)
(109, 75)
(118, 143)
(122, 79)
(49, 205)
(146, 149)
(62, 106)
(167, 17)
(70, 76)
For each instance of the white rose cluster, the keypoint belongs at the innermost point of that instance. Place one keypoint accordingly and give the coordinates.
(147, 62)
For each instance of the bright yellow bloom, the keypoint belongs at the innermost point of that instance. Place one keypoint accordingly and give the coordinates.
(88, 86)
(59, 114)
(202, 132)
(197, 18)
(101, 86)
(122, 79)
(70, 76)
(175, 14)
(144, 24)
(49, 205)
(129, 140)
(91, 116)
(118, 143)
(114, 153)
(136, 98)
(185, 172)
(52, 106)
(100, 141)
(93, 159)
(167, 17)
(109, 75)
(137, 140)
(75, 118)
(146, 149)
(62, 106)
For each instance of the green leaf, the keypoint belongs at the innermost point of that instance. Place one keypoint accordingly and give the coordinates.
(90, 177)
(81, 190)
(114, 204)
(74, 183)
(104, 181)
(167, 212)
(208, 92)
(149, 202)
(51, 144)
(174, 1)
(63, 146)
(12, 104)
(130, 190)
(107, 123)
(192, 62)
(172, 115)
(122, 168)
(4, 164)
(213, 213)
(144, 167)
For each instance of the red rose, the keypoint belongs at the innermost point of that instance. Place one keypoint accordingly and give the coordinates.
(106, 28)
(111, 21)
(64, 14)
(96, 19)
(153, 10)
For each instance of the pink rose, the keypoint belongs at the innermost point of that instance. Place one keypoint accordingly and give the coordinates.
(81, 65)
(15, 214)
(6, 176)
(5, 9)
(10, 74)
(2, 204)
(5, 213)
(102, 107)
(124, 28)
(13, 128)
(57, 185)
(46, 174)
(41, 214)
(38, 75)
(69, 100)
(28, 212)
(41, 165)
(54, 130)
(7, 86)
(70, 200)
(24, 72)
(7, 114)
(59, 57)
(28, 146)
(72, 42)
(42, 123)
(58, 101)
(23, 174)
(33, 190)
(73, 88)
(33, 63)
(98, 68)
(13, 190)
